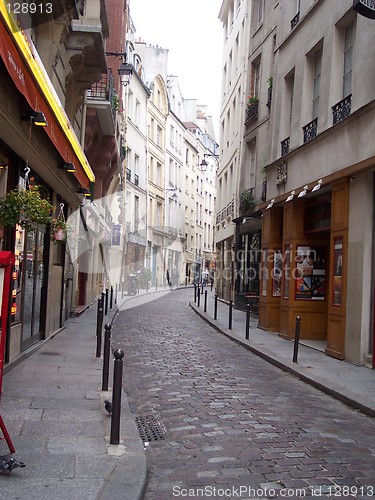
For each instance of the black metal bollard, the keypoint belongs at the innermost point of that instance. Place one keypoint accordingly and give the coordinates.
(111, 298)
(199, 296)
(106, 353)
(296, 339)
(116, 295)
(205, 301)
(116, 396)
(212, 284)
(247, 321)
(122, 289)
(230, 313)
(106, 300)
(215, 307)
(195, 292)
(99, 324)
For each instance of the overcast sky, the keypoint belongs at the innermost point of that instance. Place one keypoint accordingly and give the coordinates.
(192, 32)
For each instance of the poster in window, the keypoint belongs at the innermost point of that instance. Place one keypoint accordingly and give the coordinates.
(286, 273)
(337, 272)
(264, 273)
(310, 273)
(277, 273)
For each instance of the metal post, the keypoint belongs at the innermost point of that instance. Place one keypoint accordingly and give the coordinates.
(247, 321)
(116, 397)
(106, 300)
(205, 301)
(215, 307)
(116, 295)
(212, 284)
(99, 324)
(296, 339)
(230, 313)
(107, 349)
(122, 289)
(199, 296)
(111, 298)
(195, 292)
(156, 283)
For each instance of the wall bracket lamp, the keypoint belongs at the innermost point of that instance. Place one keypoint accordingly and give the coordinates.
(69, 167)
(317, 186)
(204, 163)
(125, 70)
(303, 192)
(291, 196)
(37, 118)
(174, 195)
(85, 191)
(270, 204)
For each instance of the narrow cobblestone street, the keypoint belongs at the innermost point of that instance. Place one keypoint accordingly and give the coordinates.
(235, 426)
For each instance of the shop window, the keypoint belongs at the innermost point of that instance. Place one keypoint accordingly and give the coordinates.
(318, 216)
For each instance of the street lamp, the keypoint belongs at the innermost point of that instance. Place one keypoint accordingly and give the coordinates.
(174, 195)
(125, 70)
(204, 163)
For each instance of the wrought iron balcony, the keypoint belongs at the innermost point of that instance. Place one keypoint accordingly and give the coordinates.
(342, 109)
(285, 146)
(128, 174)
(269, 97)
(294, 21)
(310, 130)
(136, 179)
(251, 112)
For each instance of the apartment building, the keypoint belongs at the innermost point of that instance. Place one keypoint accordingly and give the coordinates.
(46, 67)
(235, 16)
(310, 142)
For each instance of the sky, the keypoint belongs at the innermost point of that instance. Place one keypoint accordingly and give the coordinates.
(193, 34)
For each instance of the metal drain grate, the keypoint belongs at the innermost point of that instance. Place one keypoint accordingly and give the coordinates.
(150, 428)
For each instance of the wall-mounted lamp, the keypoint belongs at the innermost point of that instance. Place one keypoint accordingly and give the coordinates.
(204, 163)
(37, 118)
(270, 204)
(3, 165)
(303, 192)
(85, 191)
(125, 70)
(318, 186)
(174, 195)
(290, 197)
(69, 167)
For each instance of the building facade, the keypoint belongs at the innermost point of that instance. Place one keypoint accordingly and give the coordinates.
(307, 146)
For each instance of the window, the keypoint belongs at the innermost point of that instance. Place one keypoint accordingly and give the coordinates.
(258, 12)
(348, 59)
(316, 83)
(252, 151)
(255, 78)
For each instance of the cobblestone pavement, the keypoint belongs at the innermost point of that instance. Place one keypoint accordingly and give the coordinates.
(235, 425)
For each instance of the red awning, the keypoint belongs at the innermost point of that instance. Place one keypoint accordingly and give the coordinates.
(26, 84)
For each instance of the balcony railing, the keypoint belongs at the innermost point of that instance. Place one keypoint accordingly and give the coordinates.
(103, 90)
(136, 179)
(251, 112)
(342, 109)
(128, 174)
(294, 21)
(310, 130)
(225, 212)
(285, 146)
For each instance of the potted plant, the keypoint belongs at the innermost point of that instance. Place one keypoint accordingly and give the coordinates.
(59, 228)
(252, 99)
(25, 207)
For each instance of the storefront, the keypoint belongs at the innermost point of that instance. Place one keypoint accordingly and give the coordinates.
(32, 154)
(304, 267)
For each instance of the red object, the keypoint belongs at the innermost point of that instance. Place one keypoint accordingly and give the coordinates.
(6, 269)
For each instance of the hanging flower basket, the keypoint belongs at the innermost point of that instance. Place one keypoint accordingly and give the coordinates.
(59, 227)
(59, 235)
(25, 207)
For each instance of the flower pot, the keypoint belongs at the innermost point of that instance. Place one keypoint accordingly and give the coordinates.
(59, 235)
